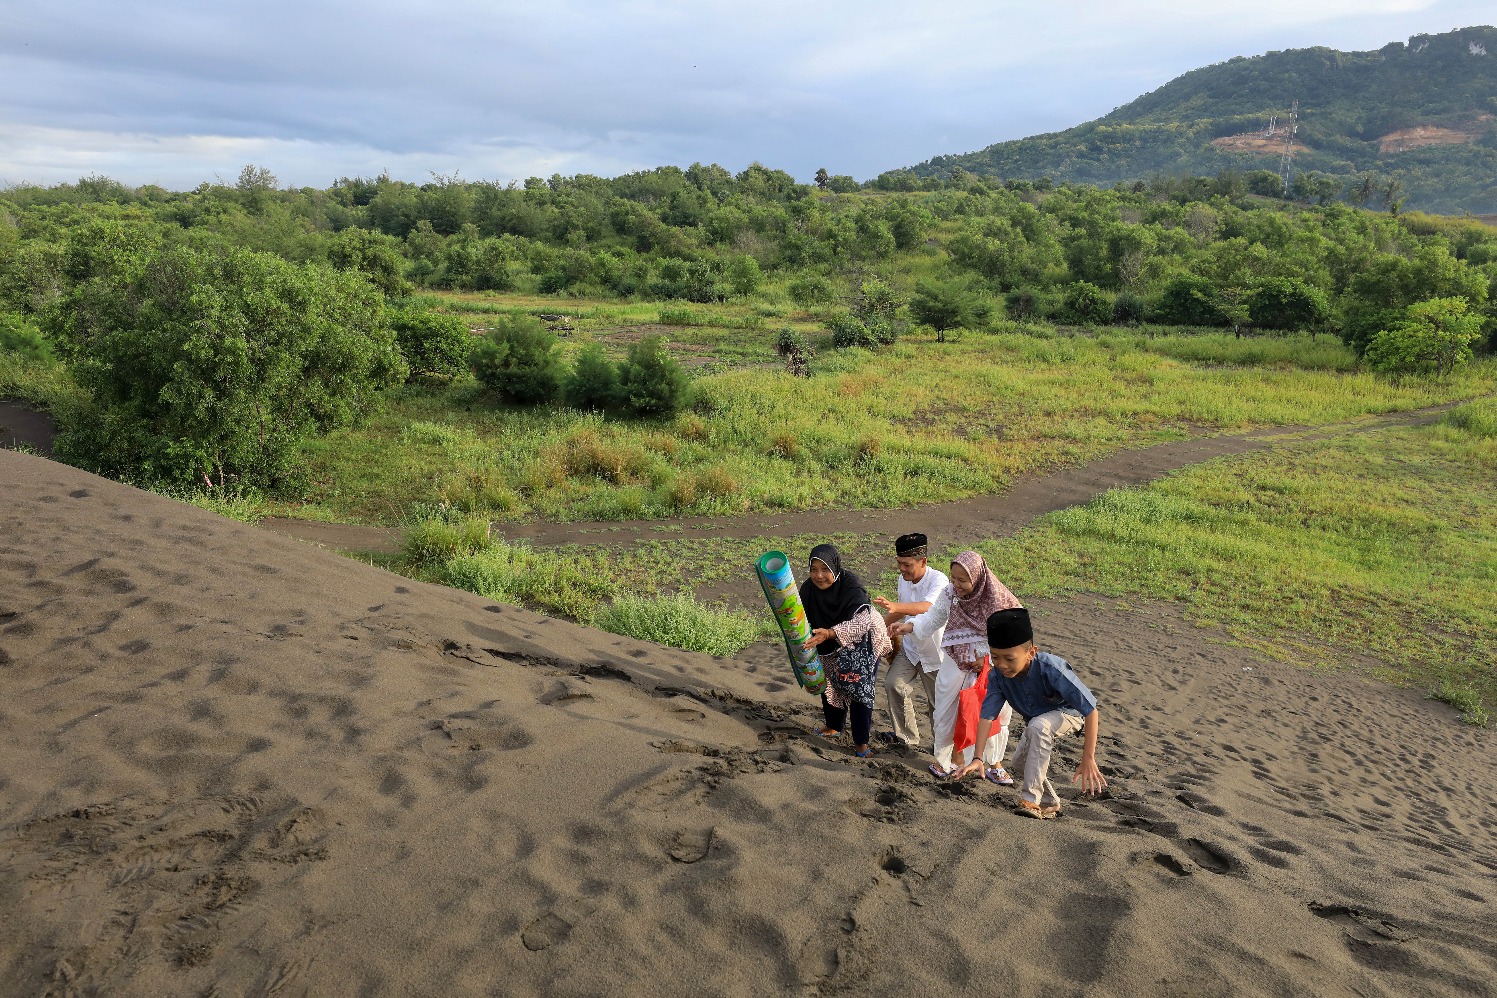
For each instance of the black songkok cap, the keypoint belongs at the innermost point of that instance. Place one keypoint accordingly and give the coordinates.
(1009, 628)
(910, 546)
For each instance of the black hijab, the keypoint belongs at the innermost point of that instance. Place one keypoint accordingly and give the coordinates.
(836, 603)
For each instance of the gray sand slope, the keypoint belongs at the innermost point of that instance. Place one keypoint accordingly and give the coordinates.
(235, 764)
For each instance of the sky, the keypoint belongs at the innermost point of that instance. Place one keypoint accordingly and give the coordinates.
(179, 93)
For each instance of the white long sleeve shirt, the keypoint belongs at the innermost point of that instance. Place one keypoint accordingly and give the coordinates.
(923, 647)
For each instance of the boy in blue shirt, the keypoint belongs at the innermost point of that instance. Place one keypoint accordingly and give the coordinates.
(1053, 702)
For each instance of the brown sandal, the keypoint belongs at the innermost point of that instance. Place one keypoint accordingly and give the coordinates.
(1025, 809)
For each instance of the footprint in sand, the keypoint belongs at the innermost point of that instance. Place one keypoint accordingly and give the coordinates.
(547, 930)
(1211, 857)
(555, 926)
(692, 844)
(1164, 861)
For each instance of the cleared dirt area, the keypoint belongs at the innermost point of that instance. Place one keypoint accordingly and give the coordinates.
(1423, 136)
(1258, 142)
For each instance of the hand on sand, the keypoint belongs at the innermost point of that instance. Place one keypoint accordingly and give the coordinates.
(975, 766)
(1090, 778)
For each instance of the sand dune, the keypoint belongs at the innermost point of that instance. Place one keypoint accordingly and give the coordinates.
(236, 764)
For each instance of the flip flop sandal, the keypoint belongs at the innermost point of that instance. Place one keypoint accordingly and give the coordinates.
(865, 753)
(1027, 810)
(939, 773)
(829, 732)
(1050, 811)
(998, 775)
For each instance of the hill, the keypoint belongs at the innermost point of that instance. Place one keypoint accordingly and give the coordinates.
(1422, 112)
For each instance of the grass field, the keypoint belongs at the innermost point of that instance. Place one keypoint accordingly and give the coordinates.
(1381, 544)
(915, 423)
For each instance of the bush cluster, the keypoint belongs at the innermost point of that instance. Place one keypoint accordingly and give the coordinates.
(518, 360)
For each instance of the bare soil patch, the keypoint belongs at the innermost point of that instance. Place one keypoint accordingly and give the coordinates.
(1423, 136)
(1257, 142)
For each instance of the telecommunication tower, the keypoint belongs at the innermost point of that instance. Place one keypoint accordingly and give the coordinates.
(1288, 155)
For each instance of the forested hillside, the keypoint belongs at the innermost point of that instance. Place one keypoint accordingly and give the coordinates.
(1415, 120)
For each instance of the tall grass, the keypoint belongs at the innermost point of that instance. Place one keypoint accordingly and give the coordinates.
(679, 621)
(593, 589)
(915, 423)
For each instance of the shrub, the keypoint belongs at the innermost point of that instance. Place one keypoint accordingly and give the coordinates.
(810, 290)
(1128, 308)
(21, 339)
(594, 380)
(850, 331)
(373, 254)
(434, 542)
(1435, 337)
(1085, 304)
(1464, 698)
(517, 359)
(1189, 301)
(651, 381)
(219, 363)
(744, 275)
(1288, 303)
(434, 345)
(1022, 304)
(795, 350)
(679, 621)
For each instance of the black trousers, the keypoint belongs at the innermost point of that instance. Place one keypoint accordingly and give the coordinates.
(862, 718)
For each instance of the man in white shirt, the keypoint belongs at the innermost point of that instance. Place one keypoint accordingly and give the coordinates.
(917, 658)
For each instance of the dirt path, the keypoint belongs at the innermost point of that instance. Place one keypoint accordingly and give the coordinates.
(22, 426)
(962, 521)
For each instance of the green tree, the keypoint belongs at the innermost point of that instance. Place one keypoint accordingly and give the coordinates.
(944, 305)
(517, 359)
(1288, 303)
(219, 364)
(743, 275)
(373, 254)
(822, 177)
(650, 380)
(256, 185)
(807, 290)
(593, 383)
(1189, 300)
(432, 344)
(1085, 304)
(1435, 337)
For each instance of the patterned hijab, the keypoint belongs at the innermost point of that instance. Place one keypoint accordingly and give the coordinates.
(968, 623)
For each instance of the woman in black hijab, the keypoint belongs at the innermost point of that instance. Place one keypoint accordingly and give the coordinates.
(833, 596)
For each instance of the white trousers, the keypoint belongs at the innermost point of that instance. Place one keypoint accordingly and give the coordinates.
(950, 681)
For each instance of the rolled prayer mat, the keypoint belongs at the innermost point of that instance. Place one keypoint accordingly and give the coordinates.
(778, 583)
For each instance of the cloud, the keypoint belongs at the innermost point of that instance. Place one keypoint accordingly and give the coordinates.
(170, 92)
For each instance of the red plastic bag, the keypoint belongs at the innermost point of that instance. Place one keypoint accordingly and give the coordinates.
(969, 711)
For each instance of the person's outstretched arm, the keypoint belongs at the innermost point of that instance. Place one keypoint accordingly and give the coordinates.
(1087, 774)
(984, 732)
